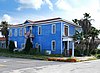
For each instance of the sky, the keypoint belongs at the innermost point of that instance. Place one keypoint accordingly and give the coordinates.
(17, 11)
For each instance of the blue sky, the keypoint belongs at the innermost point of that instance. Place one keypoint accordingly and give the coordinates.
(17, 11)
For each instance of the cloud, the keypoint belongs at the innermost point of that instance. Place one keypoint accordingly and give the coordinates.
(76, 9)
(50, 4)
(63, 5)
(35, 4)
(6, 17)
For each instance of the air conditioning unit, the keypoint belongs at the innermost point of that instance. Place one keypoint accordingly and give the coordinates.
(48, 52)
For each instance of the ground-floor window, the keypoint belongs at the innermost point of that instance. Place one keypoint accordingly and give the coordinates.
(53, 44)
(38, 47)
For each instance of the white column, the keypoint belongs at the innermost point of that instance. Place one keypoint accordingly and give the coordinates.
(72, 49)
(68, 48)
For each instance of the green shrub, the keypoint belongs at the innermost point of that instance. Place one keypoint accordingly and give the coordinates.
(28, 46)
(98, 56)
(98, 51)
(2, 50)
(11, 46)
(77, 52)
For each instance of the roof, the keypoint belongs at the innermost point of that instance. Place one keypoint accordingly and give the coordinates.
(2, 38)
(45, 21)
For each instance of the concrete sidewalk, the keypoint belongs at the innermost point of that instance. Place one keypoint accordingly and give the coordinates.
(85, 58)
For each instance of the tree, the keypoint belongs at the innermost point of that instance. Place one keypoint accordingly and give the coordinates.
(4, 30)
(28, 46)
(89, 32)
(11, 46)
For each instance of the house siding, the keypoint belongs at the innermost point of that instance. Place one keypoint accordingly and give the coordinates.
(46, 37)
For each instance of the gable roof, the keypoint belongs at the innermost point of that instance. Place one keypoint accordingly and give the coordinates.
(30, 22)
(2, 38)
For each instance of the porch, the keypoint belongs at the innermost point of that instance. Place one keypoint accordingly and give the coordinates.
(68, 46)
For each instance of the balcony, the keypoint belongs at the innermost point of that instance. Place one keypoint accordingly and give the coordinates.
(67, 38)
(31, 36)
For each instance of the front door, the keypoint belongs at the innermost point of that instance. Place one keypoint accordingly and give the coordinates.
(65, 48)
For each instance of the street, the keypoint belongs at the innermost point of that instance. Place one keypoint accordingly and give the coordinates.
(16, 65)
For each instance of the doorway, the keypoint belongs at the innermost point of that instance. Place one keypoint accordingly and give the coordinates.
(65, 48)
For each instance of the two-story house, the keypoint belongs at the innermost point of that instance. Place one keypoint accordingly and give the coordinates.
(53, 35)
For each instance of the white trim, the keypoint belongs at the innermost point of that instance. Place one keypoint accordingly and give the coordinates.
(10, 32)
(40, 30)
(61, 37)
(36, 45)
(54, 28)
(44, 22)
(52, 45)
(68, 47)
(24, 29)
(73, 49)
(20, 31)
(15, 32)
(64, 29)
(67, 39)
(31, 30)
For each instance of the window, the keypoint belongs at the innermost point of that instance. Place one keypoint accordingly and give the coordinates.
(65, 30)
(39, 30)
(24, 29)
(38, 47)
(31, 30)
(10, 32)
(20, 31)
(53, 29)
(23, 45)
(53, 45)
(15, 33)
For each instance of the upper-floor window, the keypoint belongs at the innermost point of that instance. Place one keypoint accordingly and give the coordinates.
(15, 33)
(53, 45)
(65, 30)
(53, 29)
(31, 30)
(10, 32)
(24, 29)
(20, 31)
(39, 30)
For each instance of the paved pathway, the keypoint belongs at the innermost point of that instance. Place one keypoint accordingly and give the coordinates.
(13, 65)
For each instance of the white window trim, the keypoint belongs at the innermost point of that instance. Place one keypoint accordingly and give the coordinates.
(40, 30)
(52, 29)
(52, 45)
(31, 30)
(24, 29)
(15, 32)
(64, 29)
(20, 31)
(36, 44)
(10, 33)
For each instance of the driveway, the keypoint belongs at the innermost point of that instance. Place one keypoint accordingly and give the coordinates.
(15, 65)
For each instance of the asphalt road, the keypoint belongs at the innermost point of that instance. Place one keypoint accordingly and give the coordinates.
(9, 64)
(15, 65)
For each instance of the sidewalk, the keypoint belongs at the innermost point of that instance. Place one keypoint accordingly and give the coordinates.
(78, 59)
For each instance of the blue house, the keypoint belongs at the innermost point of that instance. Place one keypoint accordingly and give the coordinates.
(51, 35)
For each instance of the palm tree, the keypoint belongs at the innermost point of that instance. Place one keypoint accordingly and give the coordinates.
(94, 36)
(88, 31)
(4, 30)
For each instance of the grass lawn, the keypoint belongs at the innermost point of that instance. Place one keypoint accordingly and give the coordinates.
(6, 53)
